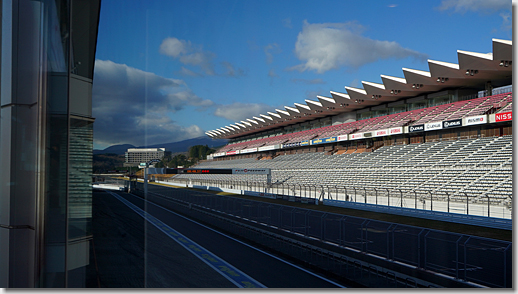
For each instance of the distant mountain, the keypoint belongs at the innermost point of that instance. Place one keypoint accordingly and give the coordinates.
(181, 146)
(116, 149)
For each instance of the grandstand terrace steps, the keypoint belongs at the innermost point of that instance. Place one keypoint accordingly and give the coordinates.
(362, 169)
(500, 191)
(452, 152)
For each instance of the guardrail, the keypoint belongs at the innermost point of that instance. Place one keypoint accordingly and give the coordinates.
(419, 200)
(468, 258)
(490, 222)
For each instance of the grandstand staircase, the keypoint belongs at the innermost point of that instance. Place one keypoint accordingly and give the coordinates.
(437, 164)
(494, 187)
(483, 196)
(463, 190)
(460, 110)
(509, 104)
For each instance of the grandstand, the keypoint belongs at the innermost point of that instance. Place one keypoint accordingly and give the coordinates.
(443, 132)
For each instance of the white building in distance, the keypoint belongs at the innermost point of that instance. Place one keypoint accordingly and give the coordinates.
(135, 156)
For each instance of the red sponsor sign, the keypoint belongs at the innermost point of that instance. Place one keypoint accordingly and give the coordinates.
(381, 133)
(231, 152)
(397, 130)
(504, 116)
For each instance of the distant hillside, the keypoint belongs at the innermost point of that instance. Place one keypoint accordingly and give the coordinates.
(115, 149)
(181, 146)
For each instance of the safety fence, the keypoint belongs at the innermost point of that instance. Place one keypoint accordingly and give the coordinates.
(463, 203)
(468, 258)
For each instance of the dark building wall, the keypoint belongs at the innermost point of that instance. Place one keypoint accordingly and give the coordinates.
(46, 146)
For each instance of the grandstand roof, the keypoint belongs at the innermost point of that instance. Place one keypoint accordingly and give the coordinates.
(473, 70)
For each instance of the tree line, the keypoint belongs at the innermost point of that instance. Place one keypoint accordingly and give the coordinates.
(193, 156)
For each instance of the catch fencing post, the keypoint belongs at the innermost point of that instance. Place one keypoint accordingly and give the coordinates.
(467, 203)
(447, 194)
(431, 201)
(488, 205)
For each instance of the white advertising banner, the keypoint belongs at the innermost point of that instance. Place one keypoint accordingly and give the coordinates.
(475, 120)
(250, 171)
(356, 136)
(342, 138)
(395, 131)
(232, 152)
(433, 126)
(266, 148)
(249, 150)
(380, 133)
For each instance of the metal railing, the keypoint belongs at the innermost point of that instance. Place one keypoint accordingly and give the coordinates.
(464, 257)
(460, 203)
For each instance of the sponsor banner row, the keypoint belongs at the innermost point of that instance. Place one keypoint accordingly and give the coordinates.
(377, 133)
(342, 138)
(501, 117)
(249, 150)
(395, 131)
(467, 121)
(452, 123)
(291, 145)
(475, 120)
(250, 171)
(271, 147)
(433, 126)
(324, 140)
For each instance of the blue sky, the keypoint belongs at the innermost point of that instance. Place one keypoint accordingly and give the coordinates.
(168, 71)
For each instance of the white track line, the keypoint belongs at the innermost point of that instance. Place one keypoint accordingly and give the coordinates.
(296, 266)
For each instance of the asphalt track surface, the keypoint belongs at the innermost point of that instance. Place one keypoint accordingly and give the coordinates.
(170, 264)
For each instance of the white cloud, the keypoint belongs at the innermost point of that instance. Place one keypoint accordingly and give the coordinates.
(187, 72)
(507, 21)
(174, 47)
(194, 55)
(462, 6)
(240, 111)
(327, 46)
(133, 106)
(272, 73)
(187, 53)
(231, 71)
(355, 83)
